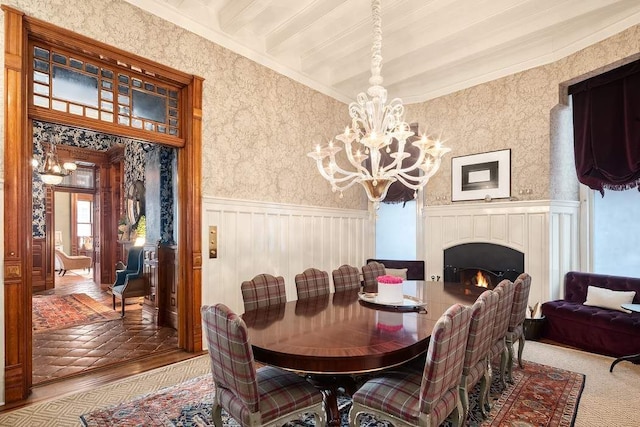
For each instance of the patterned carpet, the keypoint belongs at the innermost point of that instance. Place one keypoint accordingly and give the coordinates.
(540, 396)
(63, 311)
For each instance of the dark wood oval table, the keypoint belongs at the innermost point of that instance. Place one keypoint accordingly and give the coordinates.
(336, 336)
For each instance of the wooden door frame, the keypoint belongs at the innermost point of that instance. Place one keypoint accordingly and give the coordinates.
(19, 29)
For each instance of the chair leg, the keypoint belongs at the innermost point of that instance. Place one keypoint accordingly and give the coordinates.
(509, 367)
(485, 383)
(216, 414)
(114, 301)
(464, 399)
(487, 394)
(456, 415)
(503, 366)
(122, 302)
(521, 341)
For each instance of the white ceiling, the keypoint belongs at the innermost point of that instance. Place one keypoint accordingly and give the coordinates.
(429, 47)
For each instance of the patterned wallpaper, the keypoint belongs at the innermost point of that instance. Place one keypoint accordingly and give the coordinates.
(525, 112)
(134, 168)
(259, 125)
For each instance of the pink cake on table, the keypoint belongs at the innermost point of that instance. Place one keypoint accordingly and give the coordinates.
(390, 290)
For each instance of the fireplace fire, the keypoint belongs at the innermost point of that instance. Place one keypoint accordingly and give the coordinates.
(478, 278)
(481, 280)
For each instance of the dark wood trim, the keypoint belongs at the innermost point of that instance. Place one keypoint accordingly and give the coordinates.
(100, 52)
(190, 207)
(18, 151)
(17, 225)
(106, 127)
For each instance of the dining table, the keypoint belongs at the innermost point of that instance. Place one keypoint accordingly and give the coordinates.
(336, 339)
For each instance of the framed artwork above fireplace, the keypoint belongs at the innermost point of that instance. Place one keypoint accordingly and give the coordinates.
(483, 176)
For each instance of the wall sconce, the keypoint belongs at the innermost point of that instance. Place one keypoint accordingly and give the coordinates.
(53, 172)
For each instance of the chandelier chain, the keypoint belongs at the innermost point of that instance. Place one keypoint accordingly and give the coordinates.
(376, 47)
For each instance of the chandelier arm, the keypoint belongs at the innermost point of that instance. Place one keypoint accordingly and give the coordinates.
(414, 165)
(404, 179)
(361, 169)
(337, 168)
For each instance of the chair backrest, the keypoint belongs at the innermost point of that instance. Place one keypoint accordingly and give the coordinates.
(263, 290)
(483, 314)
(503, 313)
(134, 260)
(346, 278)
(231, 356)
(520, 300)
(370, 273)
(312, 283)
(443, 366)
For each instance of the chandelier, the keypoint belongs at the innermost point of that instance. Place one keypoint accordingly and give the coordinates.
(377, 127)
(53, 172)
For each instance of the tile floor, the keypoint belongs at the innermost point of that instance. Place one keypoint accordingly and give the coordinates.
(64, 352)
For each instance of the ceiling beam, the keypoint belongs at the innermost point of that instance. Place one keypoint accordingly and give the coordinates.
(299, 22)
(235, 14)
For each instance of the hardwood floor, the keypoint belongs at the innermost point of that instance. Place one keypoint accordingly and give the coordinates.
(81, 357)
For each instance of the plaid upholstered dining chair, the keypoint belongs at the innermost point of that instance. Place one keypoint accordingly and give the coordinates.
(265, 397)
(410, 397)
(370, 273)
(346, 278)
(312, 283)
(263, 290)
(515, 332)
(506, 290)
(475, 367)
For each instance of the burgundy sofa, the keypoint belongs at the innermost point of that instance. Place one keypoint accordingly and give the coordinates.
(594, 329)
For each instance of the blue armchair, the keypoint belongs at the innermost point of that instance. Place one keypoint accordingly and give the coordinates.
(130, 281)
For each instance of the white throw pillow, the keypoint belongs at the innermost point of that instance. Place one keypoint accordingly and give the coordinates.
(398, 272)
(606, 298)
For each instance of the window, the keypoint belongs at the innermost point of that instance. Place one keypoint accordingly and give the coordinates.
(81, 223)
(80, 86)
(614, 219)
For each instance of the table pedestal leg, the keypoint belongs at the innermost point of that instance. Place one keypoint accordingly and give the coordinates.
(635, 358)
(330, 385)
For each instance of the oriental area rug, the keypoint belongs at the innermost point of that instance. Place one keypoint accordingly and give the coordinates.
(64, 311)
(540, 396)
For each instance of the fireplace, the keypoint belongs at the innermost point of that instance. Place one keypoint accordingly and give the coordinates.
(481, 264)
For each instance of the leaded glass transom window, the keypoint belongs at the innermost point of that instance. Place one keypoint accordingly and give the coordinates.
(71, 84)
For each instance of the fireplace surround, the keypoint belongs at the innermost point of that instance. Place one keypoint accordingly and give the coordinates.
(471, 263)
(545, 231)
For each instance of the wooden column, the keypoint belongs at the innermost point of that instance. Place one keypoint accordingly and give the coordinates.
(17, 225)
(190, 208)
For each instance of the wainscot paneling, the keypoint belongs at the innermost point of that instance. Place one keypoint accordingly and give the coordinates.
(545, 231)
(278, 239)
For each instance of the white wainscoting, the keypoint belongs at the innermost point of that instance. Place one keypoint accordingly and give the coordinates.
(545, 231)
(278, 239)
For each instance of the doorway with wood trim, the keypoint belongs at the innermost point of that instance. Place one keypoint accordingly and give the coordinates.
(23, 37)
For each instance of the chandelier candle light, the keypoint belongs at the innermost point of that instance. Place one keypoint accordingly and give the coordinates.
(374, 126)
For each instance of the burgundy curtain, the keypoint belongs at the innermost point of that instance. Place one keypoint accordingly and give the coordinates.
(606, 125)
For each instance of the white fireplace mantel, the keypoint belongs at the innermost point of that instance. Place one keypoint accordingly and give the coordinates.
(546, 231)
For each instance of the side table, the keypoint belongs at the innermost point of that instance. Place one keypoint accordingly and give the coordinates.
(635, 358)
(533, 328)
